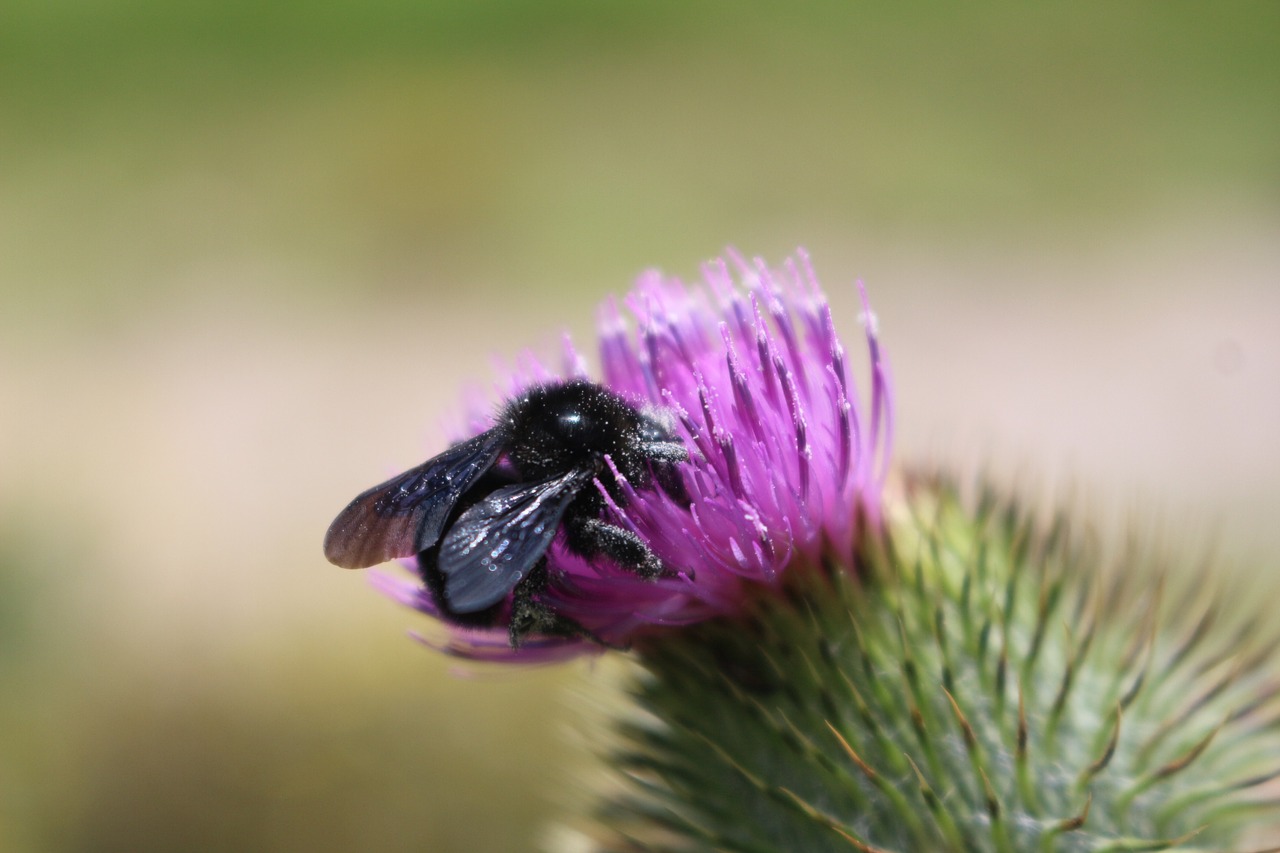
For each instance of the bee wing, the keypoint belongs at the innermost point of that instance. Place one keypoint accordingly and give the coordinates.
(406, 514)
(496, 542)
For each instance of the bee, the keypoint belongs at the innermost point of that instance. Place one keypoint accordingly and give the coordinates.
(481, 515)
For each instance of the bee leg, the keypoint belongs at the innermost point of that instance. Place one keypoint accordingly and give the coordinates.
(530, 616)
(591, 537)
(669, 480)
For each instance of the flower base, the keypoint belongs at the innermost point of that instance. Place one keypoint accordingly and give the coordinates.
(974, 682)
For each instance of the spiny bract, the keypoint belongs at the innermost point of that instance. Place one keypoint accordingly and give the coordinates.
(974, 683)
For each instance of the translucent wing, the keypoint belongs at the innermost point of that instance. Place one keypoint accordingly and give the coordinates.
(496, 542)
(407, 513)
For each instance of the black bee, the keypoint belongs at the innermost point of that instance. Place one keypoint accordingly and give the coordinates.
(481, 515)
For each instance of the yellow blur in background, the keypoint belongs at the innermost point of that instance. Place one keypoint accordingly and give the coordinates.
(251, 255)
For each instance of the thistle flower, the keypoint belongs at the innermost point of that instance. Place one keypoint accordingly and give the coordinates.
(785, 463)
(831, 668)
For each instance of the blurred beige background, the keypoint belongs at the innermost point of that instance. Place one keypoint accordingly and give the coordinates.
(249, 258)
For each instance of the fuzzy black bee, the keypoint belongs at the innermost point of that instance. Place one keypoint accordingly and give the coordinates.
(481, 516)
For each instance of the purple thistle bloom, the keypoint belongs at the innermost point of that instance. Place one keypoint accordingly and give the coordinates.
(785, 464)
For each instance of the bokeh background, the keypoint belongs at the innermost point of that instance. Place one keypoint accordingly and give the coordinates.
(251, 253)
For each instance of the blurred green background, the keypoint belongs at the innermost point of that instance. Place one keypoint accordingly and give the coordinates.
(250, 253)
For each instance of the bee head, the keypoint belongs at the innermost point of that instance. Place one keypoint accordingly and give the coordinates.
(573, 425)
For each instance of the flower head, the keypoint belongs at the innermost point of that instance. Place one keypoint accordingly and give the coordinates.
(785, 462)
(924, 701)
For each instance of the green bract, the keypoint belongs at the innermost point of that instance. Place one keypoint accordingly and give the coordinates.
(976, 682)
